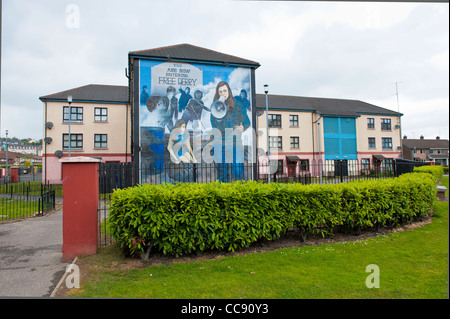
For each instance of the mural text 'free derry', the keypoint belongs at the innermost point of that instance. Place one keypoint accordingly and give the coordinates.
(181, 74)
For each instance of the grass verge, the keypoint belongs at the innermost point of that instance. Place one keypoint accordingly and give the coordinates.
(412, 264)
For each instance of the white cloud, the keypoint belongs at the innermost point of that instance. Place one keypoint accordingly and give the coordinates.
(441, 60)
(326, 49)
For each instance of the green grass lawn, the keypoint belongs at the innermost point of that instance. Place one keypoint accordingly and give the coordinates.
(16, 208)
(412, 264)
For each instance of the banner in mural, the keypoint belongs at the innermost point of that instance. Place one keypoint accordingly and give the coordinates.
(195, 114)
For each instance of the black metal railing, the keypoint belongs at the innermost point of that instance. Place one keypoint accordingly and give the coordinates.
(20, 200)
(122, 175)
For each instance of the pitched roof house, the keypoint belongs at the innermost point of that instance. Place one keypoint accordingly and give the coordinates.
(426, 150)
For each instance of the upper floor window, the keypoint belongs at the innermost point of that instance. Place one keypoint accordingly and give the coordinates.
(370, 123)
(372, 142)
(274, 120)
(76, 114)
(293, 120)
(385, 124)
(276, 142)
(100, 114)
(386, 143)
(100, 140)
(295, 143)
(76, 141)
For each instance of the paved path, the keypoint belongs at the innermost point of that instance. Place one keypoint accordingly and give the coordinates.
(31, 256)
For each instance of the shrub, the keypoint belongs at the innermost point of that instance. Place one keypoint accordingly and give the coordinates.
(436, 170)
(184, 218)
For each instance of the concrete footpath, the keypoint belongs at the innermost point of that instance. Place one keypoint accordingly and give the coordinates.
(31, 256)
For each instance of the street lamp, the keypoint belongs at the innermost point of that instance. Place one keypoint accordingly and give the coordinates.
(6, 150)
(266, 90)
(69, 100)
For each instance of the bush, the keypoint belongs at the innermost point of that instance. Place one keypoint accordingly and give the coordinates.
(184, 218)
(437, 171)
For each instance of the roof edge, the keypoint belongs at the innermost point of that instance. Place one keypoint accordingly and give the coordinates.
(140, 53)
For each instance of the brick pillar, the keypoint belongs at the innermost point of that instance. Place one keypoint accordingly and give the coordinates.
(14, 174)
(80, 200)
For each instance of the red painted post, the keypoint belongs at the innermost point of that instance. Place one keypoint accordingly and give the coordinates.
(14, 174)
(80, 200)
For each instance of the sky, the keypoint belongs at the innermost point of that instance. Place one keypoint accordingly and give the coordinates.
(349, 50)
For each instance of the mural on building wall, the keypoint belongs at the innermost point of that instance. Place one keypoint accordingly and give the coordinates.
(192, 114)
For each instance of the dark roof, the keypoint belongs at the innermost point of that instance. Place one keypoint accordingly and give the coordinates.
(189, 52)
(425, 143)
(324, 106)
(92, 93)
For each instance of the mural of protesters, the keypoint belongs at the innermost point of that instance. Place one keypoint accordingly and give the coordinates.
(243, 106)
(231, 128)
(193, 111)
(160, 115)
(184, 98)
(180, 140)
(181, 168)
(172, 120)
(144, 95)
(172, 107)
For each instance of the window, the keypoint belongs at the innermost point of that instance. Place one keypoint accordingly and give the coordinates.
(275, 142)
(304, 165)
(100, 114)
(386, 143)
(280, 166)
(385, 124)
(76, 141)
(365, 162)
(295, 142)
(372, 142)
(100, 140)
(274, 120)
(293, 120)
(370, 123)
(76, 114)
(387, 164)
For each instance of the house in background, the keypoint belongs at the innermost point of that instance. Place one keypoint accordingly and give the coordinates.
(426, 150)
(100, 125)
(305, 130)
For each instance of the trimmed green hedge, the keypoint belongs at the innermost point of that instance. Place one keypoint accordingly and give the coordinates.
(184, 218)
(436, 170)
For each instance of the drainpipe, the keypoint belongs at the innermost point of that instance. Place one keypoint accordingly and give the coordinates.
(45, 144)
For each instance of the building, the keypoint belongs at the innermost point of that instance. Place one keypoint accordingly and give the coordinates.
(99, 126)
(26, 149)
(426, 150)
(184, 85)
(305, 131)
